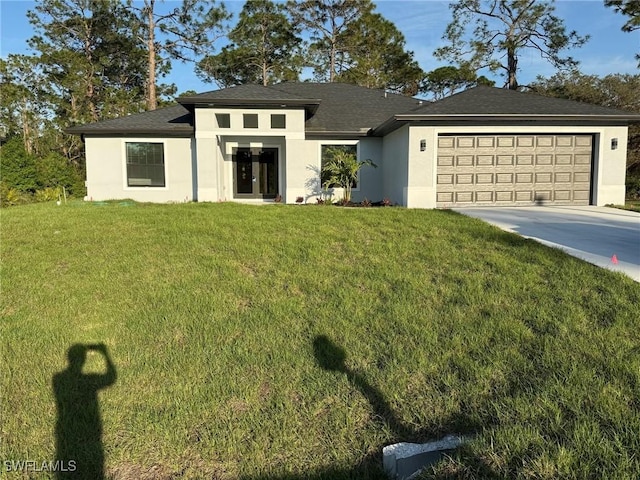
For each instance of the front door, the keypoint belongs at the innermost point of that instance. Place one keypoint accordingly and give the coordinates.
(255, 173)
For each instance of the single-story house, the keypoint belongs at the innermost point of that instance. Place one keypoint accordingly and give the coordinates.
(484, 146)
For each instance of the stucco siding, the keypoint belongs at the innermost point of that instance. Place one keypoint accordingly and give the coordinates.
(107, 175)
(395, 165)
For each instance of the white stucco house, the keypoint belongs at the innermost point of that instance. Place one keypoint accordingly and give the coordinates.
(250, 143)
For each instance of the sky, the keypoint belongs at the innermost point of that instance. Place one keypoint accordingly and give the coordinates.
(422, 22)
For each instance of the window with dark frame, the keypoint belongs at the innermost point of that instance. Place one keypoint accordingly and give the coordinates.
(145, 164)
(278, 120)
(250, 120)
(326, 153)
(224, 120)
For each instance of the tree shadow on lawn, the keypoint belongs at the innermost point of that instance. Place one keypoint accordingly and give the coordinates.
(331, 357)
(79, 451)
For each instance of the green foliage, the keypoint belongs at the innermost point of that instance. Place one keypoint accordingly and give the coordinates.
(340, 168)
(445, 81)
(264, 49)
(188, 30)
(27, 177)
(616, 91)
(327, 21)
(491, 34)
(387, 66)
(17, 168)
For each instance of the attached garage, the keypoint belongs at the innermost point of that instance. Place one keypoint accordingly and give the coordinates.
(513, 169)
(496, 147)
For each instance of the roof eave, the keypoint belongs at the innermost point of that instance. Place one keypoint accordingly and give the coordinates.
(175, 132)
(308, 103)
(337, 134)
(517, 117)
(398, 120)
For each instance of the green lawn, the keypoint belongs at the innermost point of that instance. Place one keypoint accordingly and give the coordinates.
(290, 342)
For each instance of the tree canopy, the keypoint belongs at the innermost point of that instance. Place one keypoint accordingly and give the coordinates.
(264, 48)
(492, 33)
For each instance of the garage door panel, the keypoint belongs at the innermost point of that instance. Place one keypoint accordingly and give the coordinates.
(464, 160)
(564, 141)
(464, 197)
(546, 159)
(484, 196)
(543, 141)
(524, 177)
(484, 160)
(486, 142)
(524, 196)
(544, 177)
(504, 197)
(466, 142)
(524, 159)
(514, 169)
(562, 195)
(464, 179)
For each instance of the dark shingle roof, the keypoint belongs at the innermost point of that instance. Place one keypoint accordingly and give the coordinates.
(490, 104)
(347, 108)
(339, 108)
(483, 100)
(332, 108)
(172, 121)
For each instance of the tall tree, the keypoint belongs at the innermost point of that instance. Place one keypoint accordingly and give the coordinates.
(327, 20)
(265, 48)
(22, 109)
(90, 62)
(182, 33)
(88, 55)
(501, 29)
(630, 8)
(387, 65)
(445, 81)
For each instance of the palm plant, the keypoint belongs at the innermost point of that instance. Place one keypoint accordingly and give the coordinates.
(341, 169)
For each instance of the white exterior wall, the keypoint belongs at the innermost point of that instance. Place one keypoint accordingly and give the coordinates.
(395, 166)
(304, 158)
(214, 169)
(609, 166)
(107, 170)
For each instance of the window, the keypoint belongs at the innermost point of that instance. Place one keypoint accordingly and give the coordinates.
(327, 153)
(278, 121)
(250, 120)
(224, 120)
(145, 164)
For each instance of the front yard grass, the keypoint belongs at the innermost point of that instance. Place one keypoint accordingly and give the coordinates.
(285, 342)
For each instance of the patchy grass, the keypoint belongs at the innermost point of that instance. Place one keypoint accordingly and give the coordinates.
(284, 342)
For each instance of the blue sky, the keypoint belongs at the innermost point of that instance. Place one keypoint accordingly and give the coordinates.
(422, 22)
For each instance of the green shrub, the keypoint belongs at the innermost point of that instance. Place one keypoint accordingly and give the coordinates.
(47, 194)
(633, 186)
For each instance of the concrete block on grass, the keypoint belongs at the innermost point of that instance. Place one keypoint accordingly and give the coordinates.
(402, 460)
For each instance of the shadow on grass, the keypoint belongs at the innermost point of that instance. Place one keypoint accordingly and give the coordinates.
(79, 452)
(331, 357)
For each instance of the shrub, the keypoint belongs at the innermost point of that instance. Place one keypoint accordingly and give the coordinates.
(633, 186)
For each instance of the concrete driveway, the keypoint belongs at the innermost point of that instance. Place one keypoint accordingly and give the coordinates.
(594, 234)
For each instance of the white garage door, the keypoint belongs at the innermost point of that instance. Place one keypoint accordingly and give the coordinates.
(514, 169)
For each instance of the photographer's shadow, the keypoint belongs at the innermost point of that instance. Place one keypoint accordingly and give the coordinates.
(79, 451)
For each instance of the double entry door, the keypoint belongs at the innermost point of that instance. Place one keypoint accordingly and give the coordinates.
(255, 172)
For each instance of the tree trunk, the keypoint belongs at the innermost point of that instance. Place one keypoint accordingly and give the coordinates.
(151, 45)
(512, 68)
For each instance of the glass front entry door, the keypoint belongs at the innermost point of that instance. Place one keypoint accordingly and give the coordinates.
(255, 172)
